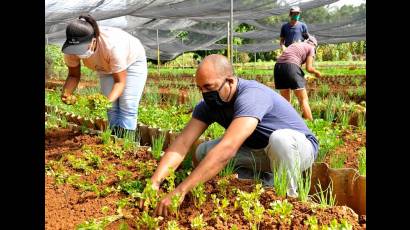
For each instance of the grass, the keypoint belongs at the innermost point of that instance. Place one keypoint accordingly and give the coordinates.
(337, 161)
(229, 168)
(157, 145)
(243, 72)
(324, 90)
(304, 183)
(362, 161)
(325, 198)
(280, 180)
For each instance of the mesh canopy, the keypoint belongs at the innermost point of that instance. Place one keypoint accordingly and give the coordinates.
(204, 21)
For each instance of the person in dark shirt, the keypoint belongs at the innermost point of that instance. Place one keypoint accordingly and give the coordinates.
(294, 30)
(260, 125)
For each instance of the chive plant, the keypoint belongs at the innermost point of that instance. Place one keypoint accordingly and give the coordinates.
(157, 145)
(362, 161)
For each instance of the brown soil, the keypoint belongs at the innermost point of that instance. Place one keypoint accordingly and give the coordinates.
(67, 206)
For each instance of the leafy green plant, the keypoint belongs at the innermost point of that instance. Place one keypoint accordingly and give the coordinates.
(79, 164)
(101, 179)
(325, 197)
(131, 187)
(123, 226)
(175, 201)
(220, 206)
(98, 224)
(328, 135)
(362, 161)
(312, 223)
(172, 225)
(146, 169)
(281, 208)
(170, 179)
(98, 104)
(223, 185)
(114, 149)
(280, 180)
(198, 223)
(124, 175)
(252, 208)
(149, 195)
(105, 209)
(198, 193)
(145, 220)
(93, 159)
(157, 145)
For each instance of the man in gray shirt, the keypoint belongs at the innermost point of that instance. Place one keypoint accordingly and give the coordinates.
(260, 124)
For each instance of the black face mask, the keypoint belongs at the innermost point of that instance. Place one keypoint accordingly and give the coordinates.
(213, 100)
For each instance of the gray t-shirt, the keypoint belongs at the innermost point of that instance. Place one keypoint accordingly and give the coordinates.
(253, 99)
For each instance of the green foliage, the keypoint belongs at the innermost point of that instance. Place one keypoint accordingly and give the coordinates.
(328, 135)
(172, 225)
(132, 187)
(304, 183)
(170, 179)
(114, 149)
(362, 161)
(220, 206)
(281, 208)
(149, 195)
(98, 103)
(223, 185)
(325, 197)
(175, 201)
(97, 224)
(145, 220)
(280, 180)
(157, 145)
(198, 223)
(147, 168)
(198, 193)
(252, 208)
(229, 168)
(337, 161)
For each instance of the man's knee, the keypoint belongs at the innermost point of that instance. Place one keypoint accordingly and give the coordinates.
(280, 141)
(200, 152)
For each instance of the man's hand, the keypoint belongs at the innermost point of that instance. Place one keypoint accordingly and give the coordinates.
(69, 99)
(164, 205)
(317, 74)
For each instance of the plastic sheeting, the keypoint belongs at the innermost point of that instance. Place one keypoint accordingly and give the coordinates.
(204, 20)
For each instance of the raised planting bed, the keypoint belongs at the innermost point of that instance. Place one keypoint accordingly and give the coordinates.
(88, 180)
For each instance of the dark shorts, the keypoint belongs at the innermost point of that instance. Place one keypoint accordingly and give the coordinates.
(288, 76)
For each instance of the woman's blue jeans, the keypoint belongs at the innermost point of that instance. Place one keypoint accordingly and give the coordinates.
(124, 112)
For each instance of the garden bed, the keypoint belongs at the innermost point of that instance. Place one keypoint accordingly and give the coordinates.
(87, 197)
